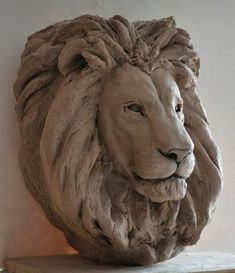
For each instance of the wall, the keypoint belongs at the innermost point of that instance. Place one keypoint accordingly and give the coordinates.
(24, 230)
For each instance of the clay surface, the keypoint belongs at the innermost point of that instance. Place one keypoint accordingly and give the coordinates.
(115, 141)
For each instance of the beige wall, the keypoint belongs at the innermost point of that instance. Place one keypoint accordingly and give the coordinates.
(24, 230)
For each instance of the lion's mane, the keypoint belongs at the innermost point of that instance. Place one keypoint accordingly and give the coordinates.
(65, 165)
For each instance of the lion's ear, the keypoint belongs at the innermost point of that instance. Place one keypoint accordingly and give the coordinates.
(78, 54)
(74, 62)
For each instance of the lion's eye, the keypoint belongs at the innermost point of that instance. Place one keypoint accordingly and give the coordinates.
(135, 108)
(179, 107)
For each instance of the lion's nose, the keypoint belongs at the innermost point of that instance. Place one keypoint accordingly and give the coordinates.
(176, 154)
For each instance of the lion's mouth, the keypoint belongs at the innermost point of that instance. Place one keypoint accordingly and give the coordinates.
(158, 180)
(171, 188)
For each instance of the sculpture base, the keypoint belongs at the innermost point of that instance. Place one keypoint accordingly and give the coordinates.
(185, 262)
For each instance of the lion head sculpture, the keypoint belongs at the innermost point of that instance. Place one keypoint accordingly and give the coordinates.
(115, 141)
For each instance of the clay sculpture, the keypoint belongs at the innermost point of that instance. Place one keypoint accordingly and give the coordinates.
(115, 141)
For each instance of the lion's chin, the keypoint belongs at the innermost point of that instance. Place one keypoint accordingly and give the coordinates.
(171, 189)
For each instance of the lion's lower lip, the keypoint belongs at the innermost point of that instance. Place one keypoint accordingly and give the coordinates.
(157, 180)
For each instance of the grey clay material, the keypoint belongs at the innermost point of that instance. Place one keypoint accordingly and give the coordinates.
(115, 141)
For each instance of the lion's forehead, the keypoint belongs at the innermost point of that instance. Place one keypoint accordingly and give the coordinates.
(129, 83)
